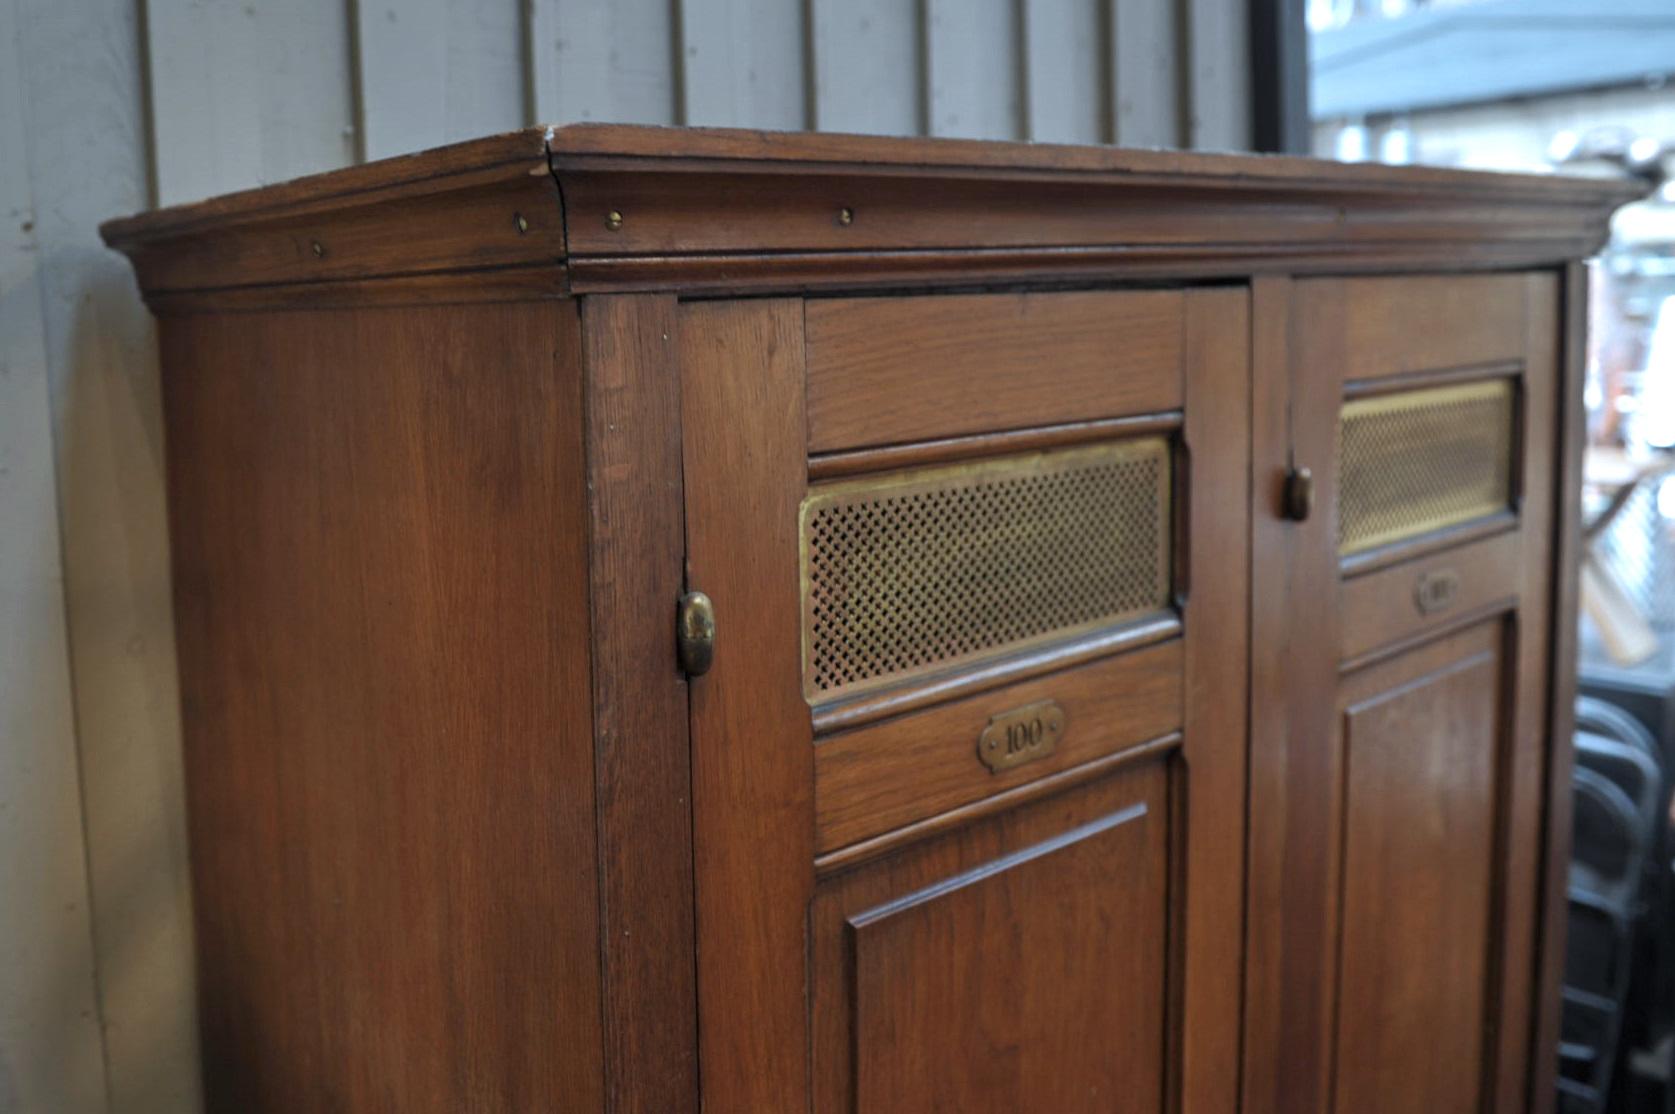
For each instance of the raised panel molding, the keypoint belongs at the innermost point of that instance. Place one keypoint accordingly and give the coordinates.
(1019, 964)
(1421, 776)
(1001, 988)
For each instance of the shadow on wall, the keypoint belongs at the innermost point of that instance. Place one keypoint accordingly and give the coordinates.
(72, 118)
(108, 414)
(50, 1051)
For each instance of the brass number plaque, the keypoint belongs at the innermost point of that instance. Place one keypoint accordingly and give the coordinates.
(1021, 735)
(1435, 591)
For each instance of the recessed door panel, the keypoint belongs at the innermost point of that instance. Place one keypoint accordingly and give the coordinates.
(1421, 740)
(1015, 965)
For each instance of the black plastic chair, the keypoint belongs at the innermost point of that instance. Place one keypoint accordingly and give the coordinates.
(1588, 1028)
(1612, 831)
(1614, 744)
(1616, 797)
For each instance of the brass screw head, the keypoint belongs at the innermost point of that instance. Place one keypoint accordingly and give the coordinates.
(521, 221)
(318, 249)
(846, 216)
(613, 221)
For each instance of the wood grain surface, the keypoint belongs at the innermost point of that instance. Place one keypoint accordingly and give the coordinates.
(1384, 607)
(635, 208)
(888, 370)
(752, 758)
(975, 971)
(1210, 867)
(881, 776)
(379, 524)
(1297, 357)
(1418, 891)
(631, 417)
(1432, 323)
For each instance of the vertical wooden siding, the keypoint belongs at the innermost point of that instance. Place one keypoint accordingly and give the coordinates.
(249, 93)
(50, 1047)
(110, 106)
(78, 88)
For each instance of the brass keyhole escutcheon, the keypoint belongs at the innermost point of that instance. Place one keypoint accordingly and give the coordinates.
(695, 634)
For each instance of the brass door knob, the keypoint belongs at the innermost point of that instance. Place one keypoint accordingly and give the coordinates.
(695, 634)
(1297, 502)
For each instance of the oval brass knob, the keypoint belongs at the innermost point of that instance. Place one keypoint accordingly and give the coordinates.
(1298, 500)
(695, 634)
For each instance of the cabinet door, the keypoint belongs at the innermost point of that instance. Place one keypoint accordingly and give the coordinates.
(969, 767)
(1400, 677)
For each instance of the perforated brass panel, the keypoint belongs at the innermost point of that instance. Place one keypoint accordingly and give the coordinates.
(918, 570)
(1416, 461)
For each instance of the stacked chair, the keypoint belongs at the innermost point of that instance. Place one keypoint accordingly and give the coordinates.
(1616, 868)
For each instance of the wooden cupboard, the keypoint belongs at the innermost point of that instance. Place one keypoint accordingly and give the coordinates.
(1401, 741)
(676, 619)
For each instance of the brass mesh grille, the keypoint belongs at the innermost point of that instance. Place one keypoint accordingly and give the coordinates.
(1417, 461)
(919, 570)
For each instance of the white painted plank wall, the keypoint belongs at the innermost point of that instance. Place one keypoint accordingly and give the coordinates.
(1216, 55)
(51, 1057)
(741, 64)
(248, 92)
(82, 102)
(604, 60)
(435, 71)
(1145, 54)
(116, 105)
(868, 60)
(1066, 71)
(972, 62)
(245, 92)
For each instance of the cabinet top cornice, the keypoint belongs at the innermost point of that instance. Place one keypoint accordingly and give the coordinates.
(615, 207)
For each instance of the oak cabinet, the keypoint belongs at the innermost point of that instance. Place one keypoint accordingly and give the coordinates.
(676, 620)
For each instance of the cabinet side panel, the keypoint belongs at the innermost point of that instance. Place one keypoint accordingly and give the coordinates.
(379, 529)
